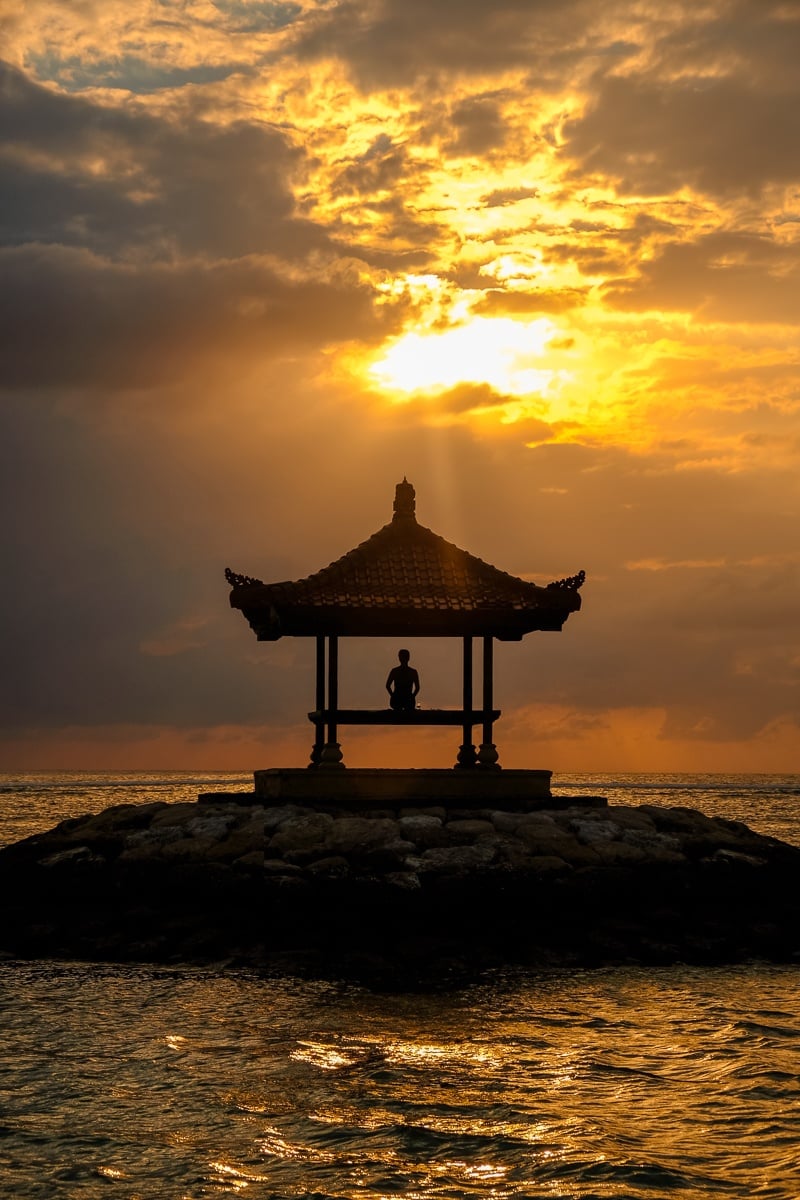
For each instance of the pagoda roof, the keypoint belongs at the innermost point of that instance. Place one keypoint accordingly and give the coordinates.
(404, 580)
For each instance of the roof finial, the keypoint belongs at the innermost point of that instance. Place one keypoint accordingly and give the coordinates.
(404, 501)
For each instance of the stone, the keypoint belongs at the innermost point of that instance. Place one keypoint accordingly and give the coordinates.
(506, 822)
(430, 810)
(581, 884)
(334, 866)
(548, 864)
(423, 831)
(456, 859)
(237, 844)
(633, 818)
(405, 880)
(212, 825)
(590, 833)
(306, 831)
(253, 860)
(659, 847)
(173, 814)
(543, 838)
(76, 854)
(616, 853)
(509, 851)
(278, 815)
(354, 835)
(276, 866)
(119, 817)
(465, 829)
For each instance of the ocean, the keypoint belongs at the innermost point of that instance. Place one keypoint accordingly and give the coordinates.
(138, 1081)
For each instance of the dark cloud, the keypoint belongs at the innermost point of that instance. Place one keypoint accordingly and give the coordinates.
(495, 301)
(502, 197)
(479, 126)
(122, 180)
(68, 318)
(395, 42)
(756, 40)
(726, 276)
(381, 167)
(134, 246)
(717, 135)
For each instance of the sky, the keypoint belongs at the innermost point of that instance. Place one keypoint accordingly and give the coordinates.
(260, 259)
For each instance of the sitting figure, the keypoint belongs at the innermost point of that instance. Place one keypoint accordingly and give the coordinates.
(402, 684)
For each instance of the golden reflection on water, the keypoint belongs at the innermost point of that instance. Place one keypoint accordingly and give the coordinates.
(617, 1084)
(327, 1058)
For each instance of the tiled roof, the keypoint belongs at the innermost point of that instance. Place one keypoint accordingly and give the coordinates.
(406, 569)
(405, 565)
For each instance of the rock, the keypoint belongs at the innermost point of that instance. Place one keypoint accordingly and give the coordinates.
(456, 859)
(506, 822)
(276, 866)
(254, 860)
(430, 810)
(406, 880)
(616, 853)
(303, 832)
(66, 857)
(237, 844)
(546, 838)
(424, 830)
(465, 829)
(281, 814)
(335, 866)
(591, 833)
(355, 835)
(545, 864)
(577, 884)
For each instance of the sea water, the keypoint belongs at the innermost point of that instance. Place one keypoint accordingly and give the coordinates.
(143, 1081)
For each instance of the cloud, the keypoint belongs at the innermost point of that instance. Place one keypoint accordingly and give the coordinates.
(727, 276)
(394, 42)
(479, 125)
(69, 318)
(125, 180)
(210, 219)
(495, 301)
(717, 135)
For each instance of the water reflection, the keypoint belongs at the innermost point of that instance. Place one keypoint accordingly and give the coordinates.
(615, 1084)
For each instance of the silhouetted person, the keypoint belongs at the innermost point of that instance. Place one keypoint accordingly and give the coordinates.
(402, 684)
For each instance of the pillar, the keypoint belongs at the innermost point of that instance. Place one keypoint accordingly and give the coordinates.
(466, 754)
(487, 754)
(332, 752)
(319, 704)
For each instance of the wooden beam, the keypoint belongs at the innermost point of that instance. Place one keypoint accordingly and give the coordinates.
(319, 725)
(333, 687)
(488, 688)
(467, 701)
(415, 716)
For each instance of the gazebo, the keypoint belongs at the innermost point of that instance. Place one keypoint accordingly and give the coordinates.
(404, 581)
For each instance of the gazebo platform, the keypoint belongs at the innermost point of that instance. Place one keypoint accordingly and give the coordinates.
(362, 788)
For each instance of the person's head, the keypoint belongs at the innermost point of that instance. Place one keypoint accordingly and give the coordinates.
(404, 656)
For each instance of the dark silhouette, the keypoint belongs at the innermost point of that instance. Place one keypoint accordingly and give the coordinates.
(402, 684)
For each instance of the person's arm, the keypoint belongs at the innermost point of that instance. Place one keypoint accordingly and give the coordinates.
(415, 682)
(390, 681)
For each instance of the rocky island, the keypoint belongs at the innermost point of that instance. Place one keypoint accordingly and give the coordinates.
(394, 894)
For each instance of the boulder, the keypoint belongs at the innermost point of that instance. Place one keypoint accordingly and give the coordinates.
(304, 886)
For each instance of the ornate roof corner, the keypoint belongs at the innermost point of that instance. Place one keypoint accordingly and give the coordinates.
(571, 584)
(241, 581)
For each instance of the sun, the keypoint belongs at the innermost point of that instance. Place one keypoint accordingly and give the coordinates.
(508, 355)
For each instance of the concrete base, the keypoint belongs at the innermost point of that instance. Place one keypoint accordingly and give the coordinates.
(378, 788)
